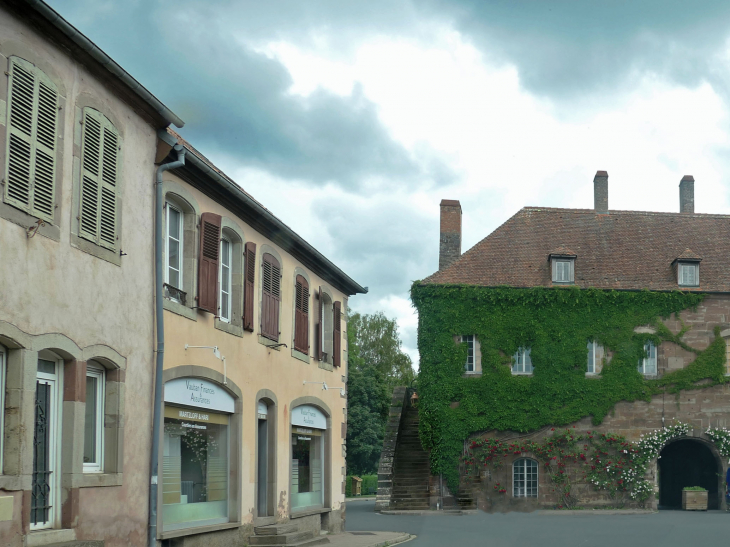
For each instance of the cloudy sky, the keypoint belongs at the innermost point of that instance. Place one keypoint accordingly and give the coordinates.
(351, 120)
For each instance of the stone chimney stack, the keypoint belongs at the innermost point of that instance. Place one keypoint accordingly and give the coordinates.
(450, 237)
(686, 194)
(600, 192)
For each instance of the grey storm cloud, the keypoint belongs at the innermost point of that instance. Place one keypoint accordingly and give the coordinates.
(235, 100)
(387, 244)
(567, 48)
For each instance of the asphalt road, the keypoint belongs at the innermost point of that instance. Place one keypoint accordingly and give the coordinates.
(666, 528)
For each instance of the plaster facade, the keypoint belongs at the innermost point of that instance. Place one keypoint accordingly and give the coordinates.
(64, 295)
(264, 372)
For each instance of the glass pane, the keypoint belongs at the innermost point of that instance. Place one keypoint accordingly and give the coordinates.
(225, 253)
(591, 357)
(173, 225)
(225, 277)
(195, 470)
(47, 367)
(307, 471)
(173, 249)
(90, 423)
(225, 314)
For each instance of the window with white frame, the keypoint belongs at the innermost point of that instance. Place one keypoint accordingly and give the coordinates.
(562, 270)
(94, 419)
(647, 366)
(688, 274)
(522, 362)
(2, 403)
(592, 357)
(524, 478)
(225, 280)
(468, 339)
(174, 251)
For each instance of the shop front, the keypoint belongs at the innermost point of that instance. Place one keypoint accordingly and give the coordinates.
(309, 428)
(196, 454)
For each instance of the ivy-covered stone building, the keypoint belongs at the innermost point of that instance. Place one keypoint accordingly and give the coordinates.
(578, 357)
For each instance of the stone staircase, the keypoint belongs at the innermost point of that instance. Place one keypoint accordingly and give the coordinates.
(411, 469)
(286, 534)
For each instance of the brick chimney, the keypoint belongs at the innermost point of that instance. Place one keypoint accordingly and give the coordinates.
(450, 237)
(600, 192)
(687, 194)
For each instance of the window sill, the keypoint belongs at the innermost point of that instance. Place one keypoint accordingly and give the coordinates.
(522, 373)
(593, 375)
(13, 483)
(472, 374)
(299, 355)
(24, 220)
(179, 309)
(99, 480)
(230, 328)
(309, 512)
(198, 530)
(324, 365)
(271, 344)
(36, 538)
(650, 376)
(86, 246)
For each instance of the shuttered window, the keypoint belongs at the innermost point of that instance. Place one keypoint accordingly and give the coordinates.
(210, 235)
(320, 326)
(100, 146)
(225, 280)
(31, 141)
(301, 315)
(248, 289)
(271, 295)
(337, 336)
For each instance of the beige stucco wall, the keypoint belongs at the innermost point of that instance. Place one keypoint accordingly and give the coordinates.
(252, 366)
(49, 286)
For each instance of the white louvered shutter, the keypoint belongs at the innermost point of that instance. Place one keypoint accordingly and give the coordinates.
(31, 146)
(99, 158)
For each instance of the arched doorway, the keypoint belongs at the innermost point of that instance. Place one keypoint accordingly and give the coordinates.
(687, 462)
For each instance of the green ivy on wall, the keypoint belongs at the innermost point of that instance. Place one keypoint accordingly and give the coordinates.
(556, 323)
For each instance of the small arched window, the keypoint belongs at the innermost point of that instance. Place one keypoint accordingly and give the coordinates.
(524, 478)
(271, 297)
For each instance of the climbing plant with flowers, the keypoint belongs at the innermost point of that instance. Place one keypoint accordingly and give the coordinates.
(721, 438)
(606, 461)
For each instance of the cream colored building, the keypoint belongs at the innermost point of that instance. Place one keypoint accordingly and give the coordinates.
(77, 149)
(255, 367)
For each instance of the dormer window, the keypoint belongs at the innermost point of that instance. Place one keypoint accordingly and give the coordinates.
(689, 274)
(687, 268)
(562, 262)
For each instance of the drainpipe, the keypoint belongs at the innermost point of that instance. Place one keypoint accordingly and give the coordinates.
(154, 457)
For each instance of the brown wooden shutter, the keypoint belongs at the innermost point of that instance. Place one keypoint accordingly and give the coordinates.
(301, 316)
(320, 327)
(271, 295)
(210, 237)
(337, 337)
(248, 283)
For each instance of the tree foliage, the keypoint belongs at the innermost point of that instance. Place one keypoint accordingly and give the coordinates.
(376, 364)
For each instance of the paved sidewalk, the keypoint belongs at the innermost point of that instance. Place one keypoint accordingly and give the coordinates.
(367, 539)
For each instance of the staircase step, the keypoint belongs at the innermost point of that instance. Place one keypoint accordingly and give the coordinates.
(276, 529)
(292, 538)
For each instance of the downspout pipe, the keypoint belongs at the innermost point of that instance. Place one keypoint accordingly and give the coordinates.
(160, 350)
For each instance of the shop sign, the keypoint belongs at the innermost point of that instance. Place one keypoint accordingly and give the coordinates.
(198, 393)
(308, 416)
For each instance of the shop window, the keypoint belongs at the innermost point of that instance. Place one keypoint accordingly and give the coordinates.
(195, 467)
(307, 464)
(524, 478)
(94, 420)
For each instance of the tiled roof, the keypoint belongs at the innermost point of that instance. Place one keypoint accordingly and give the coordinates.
(618, 250)
(689, 254)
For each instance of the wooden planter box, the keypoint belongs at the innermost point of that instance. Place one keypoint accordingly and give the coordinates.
(694, 500)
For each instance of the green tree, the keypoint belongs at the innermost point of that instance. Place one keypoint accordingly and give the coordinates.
(375, 365)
